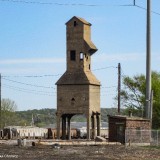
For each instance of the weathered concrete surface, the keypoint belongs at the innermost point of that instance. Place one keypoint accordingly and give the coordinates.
(100, 139)
(78, 143)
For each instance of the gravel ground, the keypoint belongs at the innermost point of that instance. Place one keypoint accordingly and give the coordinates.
(107, 152)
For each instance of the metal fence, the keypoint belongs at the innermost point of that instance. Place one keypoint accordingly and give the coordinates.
(142, 137)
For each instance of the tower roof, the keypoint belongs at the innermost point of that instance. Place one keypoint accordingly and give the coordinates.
(80, 19)
(78, 77)
(90, 46)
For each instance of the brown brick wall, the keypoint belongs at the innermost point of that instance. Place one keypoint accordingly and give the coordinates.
(138, 124)
(126, 123)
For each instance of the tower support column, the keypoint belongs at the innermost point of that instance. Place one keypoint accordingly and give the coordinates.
(88, 126)
(69, 127)
(98, 117)
(63, 127)
(58, 126)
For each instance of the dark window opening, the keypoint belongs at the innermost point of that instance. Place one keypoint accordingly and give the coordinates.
(73, 55)
(81, 56)
(89, 66)
(86, 58)
(75, 23)
(72, 99)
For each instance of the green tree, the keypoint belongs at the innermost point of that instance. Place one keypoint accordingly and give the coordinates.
(133, 96)
(8, 108)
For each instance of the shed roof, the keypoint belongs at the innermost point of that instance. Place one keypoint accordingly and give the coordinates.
(128, 118)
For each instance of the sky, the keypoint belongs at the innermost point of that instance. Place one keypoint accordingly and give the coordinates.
(33, 45)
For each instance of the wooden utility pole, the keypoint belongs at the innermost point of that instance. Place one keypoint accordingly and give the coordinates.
(148, 61)
(119, 87)
(0, 105)
(134, 2)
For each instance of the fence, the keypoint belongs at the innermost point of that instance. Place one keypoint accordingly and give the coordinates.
(142, 137)
(23, 132)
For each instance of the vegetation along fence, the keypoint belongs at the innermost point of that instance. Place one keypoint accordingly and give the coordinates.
(142, 137)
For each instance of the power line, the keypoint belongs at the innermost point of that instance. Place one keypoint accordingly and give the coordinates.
(63, 4)
(110, 87)
(28, 84)
(146, 9)
(36, 92)
(54, 88)
(40, 86)
(104, 68)
(77, 4)
(32, 76)
(29, 91)
(52, 75)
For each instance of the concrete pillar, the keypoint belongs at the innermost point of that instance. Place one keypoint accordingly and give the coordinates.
(98, 124)
(64, 127)
(58, 126)
(95, 125)
(10, 134)
(1, 134)
(69, 127)
(88, 126)
(92, 124)
(93, 120)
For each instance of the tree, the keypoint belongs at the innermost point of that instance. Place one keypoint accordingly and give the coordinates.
(133, 96)
(8, 108)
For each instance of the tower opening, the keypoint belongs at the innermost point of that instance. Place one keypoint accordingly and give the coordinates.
(73, 55)
(81, 56)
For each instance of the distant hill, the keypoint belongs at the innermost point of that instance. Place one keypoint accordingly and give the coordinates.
(46, 116)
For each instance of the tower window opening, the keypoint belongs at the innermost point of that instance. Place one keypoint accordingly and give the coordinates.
(81, 56)
(75, 23)
(72, 99)
(86, 58)
(73, 55)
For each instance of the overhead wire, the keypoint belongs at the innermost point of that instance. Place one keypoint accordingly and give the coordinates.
(37, 92)
(26, 91)
(53, 75)
(28, 84)
(63, 4)
(46, 87)
(77, 4)
(146, 9)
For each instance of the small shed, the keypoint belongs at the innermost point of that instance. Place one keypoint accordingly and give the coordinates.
(118, 124)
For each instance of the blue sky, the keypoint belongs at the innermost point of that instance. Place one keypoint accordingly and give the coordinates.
(33, 45)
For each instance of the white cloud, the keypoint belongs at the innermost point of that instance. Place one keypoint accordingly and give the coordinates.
(32, 66)
(31, 61)
(119, 57)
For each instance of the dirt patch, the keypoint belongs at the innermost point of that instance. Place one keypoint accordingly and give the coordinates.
(107, 152)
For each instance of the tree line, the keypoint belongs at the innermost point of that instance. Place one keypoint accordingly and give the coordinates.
(132, 99)
(41, 117)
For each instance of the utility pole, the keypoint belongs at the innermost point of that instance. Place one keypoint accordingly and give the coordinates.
(134, 2)
(148, 61)
(0, 104)
(151, 107)
(119, 87)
